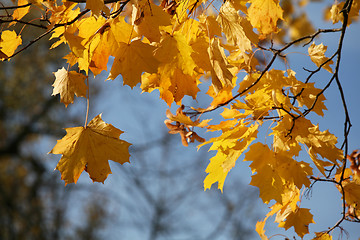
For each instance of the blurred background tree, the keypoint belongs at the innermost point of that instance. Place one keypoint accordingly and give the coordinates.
(33, 203)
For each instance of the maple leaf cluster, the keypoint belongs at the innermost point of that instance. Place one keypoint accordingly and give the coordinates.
(174, 46)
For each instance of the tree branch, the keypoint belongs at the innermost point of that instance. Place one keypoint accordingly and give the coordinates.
(276, 53)
(15, 7)
(49, 31)
(84, 1)
(23, 22)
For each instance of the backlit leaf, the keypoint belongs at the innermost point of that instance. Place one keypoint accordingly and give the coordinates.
(317, 55)
(19, 13)
(131, 60)
(89, 148)
(231, 25)
(9, 42)
(300, 220)
(221, 69)
(67, 84)
(264, 15)
(95, 6)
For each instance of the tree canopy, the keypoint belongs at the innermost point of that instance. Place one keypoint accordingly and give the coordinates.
(236, 52)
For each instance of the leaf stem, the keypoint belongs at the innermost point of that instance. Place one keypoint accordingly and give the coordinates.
(87, 101)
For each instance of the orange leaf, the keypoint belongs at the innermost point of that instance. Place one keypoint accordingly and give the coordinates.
(151, 18)
(67, 84)
(89, 148)
(300, 220)
(131, 60)
(95, 6)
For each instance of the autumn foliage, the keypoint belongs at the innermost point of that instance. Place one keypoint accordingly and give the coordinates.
(173, 46)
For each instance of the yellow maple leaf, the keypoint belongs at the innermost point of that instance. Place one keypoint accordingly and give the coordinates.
(191, 29)
(19, 13)
(177, 70)
(322, 236)
(60, 14)
(317, 55)
(259, 104)
(264, 14)
(336, 15)
(303, 131)
(269, 183)
(185, 8)
(293, 171)
(106, 42)
(220, 97)
(119, 31)
(309, 93)
(320, 164)
(149, 82)
(9, 42)
(279, 169)
(259, 228)
(232, 25)
(131, 60)
(267, 179)
(183, 84)
(100, 58)
(221, 69)
(210, 24)
(89, 148)
(352, 193)
(150, 18)
(230, 145)
(63, 13)
(174, 51)
(67, 84)
(88, 35)
(323, 143)
(74, 41)
(95, 6)
(290, 198)
(300, 220)
(200, 55)
(257, 153)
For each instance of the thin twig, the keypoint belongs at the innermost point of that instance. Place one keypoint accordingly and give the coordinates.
(15, 7)
(87, 101)
(276, 53)
(23, 22)
(84, 1)
(49, 31)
